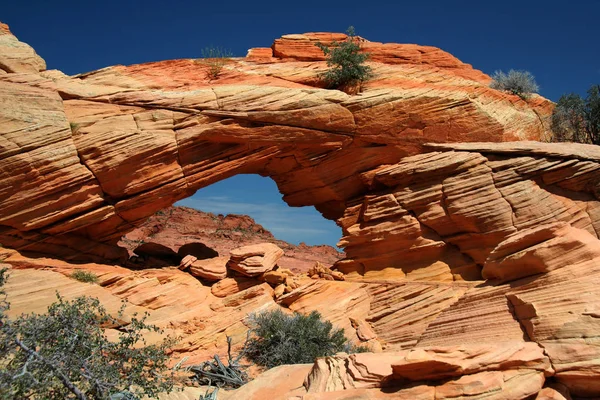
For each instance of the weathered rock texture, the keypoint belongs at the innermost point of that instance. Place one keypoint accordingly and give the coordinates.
(509, 371)
(90, 157)
(255, 259)
(472, 252)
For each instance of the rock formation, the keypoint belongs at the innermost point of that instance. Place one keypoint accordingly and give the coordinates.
(107, 149)
(212, 269)
(472, 251)
(203, 235)
(255, 259)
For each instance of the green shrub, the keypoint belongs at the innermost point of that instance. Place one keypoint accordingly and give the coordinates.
(84, 276)
(74, 126)
(64, 354)
(277, 338)
(575, 119)
(521, 83)
(215, 59)
(346, 63)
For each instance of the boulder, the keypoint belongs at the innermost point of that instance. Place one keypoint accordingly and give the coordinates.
(212, 269)
(549, 393)
(274, 277)
(186, 262)
(255, 259)
(318, 270)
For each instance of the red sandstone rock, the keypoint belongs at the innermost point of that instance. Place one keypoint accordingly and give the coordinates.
(186, 262)
(540, 250)
(512, 371)
(274, 277)
(16, 56)
(362, 370)
(550, 394)
(443, 362)
(255, 259)
(363, 329)
(229, 286)
(151, 158)
(283, 382)
(212, 269)
(90, 157)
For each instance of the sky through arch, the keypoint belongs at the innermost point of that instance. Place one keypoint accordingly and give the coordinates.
(259, 198)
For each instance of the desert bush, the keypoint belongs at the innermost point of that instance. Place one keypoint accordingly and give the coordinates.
(64, 354)
(575, 119)
(74, 126)
(521, 83)
(84, 276)
(277, 338)
(346, 63)
(215, 59)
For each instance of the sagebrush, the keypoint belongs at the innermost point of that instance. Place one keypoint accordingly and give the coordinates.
(576, 119)
(346, 63)
(215, 58)
(84, 276)
(64, 354)
(277, 338)
(521, 83)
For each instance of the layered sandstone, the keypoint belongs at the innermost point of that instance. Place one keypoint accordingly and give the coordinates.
(496, 340)
(472, 251)
(107, 149)
(511, 370)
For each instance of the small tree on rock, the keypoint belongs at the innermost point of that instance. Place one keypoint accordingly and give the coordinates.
(521, 83)
(65, 354)
(346, 64)
(575, 119)
(215, 58)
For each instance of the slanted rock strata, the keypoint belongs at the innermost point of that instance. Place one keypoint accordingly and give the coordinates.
(472, 250)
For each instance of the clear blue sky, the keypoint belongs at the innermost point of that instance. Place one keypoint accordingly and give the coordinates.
(558, 41)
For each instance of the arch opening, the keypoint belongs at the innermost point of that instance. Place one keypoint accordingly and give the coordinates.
(242, 210)
(259, 198)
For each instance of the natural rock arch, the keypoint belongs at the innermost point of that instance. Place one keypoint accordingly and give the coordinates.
(107, 149)
(83, 159)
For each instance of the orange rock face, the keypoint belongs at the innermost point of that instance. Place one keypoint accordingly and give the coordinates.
(472, 256)
(511, 371)
(107, 149)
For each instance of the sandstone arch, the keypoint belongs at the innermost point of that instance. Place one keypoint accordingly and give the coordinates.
(88, 157)
(400, 167)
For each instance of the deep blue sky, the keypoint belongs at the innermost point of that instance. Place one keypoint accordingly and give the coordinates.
(558, 41)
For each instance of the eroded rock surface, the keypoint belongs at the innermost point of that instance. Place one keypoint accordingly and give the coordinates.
(509, 371)
(107, 149)
(255, 259)
(472, 251)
